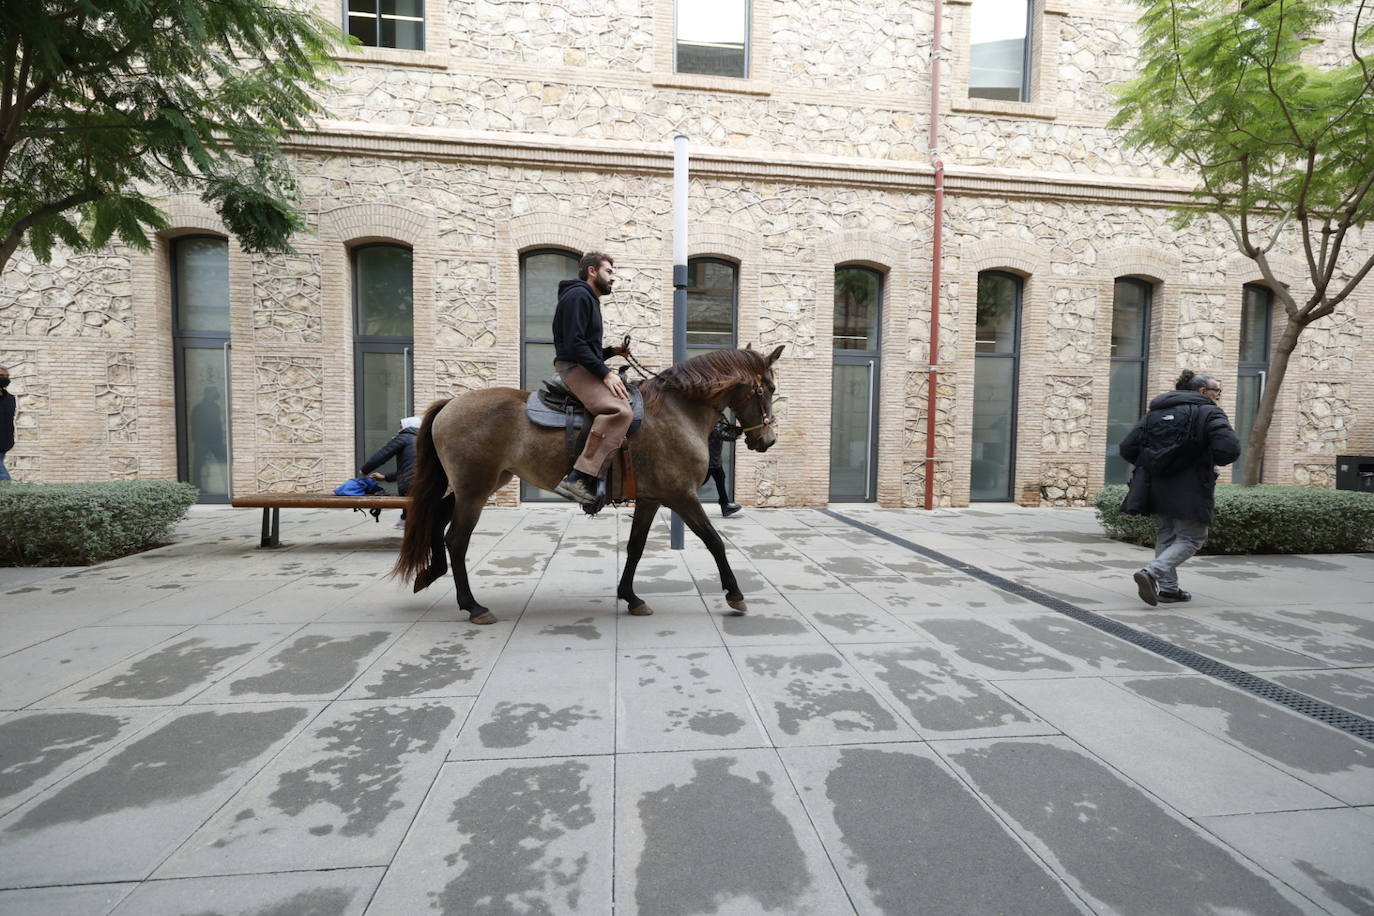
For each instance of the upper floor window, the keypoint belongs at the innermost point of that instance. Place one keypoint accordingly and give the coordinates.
(712, 37)
(999, 50)
(712, 299)
(388, 23)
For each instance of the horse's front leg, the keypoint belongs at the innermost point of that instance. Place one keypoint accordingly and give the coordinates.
(695, 516)
(645, 510)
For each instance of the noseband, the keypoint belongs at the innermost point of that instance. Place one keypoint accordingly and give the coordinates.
(756, 392)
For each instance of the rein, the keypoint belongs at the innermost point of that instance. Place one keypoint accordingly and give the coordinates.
(766, 417)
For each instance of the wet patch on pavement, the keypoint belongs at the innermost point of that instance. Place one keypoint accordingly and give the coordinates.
(313, 664)
(33, 746)
(514, 724)
(816, 697)
(986, 645)
(168, 671)
(1079, 641)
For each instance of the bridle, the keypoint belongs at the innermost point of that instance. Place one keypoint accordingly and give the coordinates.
(756, 392)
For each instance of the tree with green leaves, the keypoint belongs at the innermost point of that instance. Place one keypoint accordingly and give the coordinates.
(1278, 128)
(107, 104)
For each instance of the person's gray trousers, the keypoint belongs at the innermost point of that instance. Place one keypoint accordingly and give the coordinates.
(1176, 540)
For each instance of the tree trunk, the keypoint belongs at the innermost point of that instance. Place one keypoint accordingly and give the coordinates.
(1253, 455)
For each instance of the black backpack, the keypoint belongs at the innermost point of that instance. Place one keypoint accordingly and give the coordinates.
(1173, 440)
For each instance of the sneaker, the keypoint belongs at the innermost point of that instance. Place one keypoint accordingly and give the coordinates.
(1172, 595)
(1148, 587)
(576, 486)
(728, 510)
(400, 524)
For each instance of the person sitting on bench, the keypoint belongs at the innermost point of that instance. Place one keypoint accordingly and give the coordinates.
(401, 447)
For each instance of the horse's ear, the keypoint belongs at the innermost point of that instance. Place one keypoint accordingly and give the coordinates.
(773, 357)
(749, 345)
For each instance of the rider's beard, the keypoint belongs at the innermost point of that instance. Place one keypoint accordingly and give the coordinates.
(603, 286)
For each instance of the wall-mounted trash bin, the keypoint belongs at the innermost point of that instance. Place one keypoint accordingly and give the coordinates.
(1355, 472)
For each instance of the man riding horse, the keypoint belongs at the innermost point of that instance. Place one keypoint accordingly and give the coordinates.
(580, 360)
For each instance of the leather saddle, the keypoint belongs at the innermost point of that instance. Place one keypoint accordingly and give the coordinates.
(556, 407)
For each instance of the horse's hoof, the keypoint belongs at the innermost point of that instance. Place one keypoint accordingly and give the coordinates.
(738, 607)
(641, 610)
(483, 618)
(425, 579)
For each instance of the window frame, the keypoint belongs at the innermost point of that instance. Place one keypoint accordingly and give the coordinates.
(748, 46)
(1027, 63)
(377, 343)
(529, 493)
(378, 16)
(1146, 319)
(1013, 354)
(852, 357)
(182, 340)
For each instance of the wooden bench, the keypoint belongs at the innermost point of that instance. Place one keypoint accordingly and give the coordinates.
(271, 505)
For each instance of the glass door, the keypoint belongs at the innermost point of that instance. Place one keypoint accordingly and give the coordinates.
(1256, 318)
(996, 354)
(854, 385)
(200, 354)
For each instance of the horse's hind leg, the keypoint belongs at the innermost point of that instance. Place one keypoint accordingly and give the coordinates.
(467, 509)
(438, 562)
(645, 510)
(695, 516)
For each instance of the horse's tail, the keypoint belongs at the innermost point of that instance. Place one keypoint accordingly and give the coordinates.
(426, 492)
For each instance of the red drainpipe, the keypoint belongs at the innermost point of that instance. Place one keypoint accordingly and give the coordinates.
(937, 249)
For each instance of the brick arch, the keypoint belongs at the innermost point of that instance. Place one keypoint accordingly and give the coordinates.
(1021, 258)
(720, 240)
(554, 230)
(188, 213)
(1139, 261)
(376, 222)
(864, 248)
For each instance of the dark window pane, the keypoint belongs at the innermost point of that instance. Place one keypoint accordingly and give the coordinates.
(382, 274)
(998, 47)
(362, 6)
(384, 387)
(1249, 389)
(998, 300)
(994, 422)
(415, 8)
(401, 33)
(1130, 311)
(539, 278)
(712, 37)
(1254, 325)
(202, 284)
(1123, 411)
(851, 430)
(363, 28)
(710, 304)
(858, 304)
(203, 419)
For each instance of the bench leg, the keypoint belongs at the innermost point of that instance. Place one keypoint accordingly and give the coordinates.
(271, 529)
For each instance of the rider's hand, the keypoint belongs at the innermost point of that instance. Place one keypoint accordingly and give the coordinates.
(377, 475)
(620, 351)
(617, 387)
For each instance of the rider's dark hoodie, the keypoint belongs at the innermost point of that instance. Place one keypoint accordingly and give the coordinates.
(577, 328)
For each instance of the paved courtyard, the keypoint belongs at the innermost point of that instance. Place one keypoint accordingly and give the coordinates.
(212, 729)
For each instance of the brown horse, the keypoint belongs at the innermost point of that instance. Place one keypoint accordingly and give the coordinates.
(473, 444)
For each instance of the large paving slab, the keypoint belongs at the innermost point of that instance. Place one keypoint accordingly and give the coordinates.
(717, 832)
(345, 892)
(509, 836)
(683, 699)
(37, 671)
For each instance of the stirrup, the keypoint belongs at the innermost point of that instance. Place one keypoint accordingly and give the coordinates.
(599, 501)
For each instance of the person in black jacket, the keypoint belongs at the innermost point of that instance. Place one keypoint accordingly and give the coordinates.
(401, 447)
(1181, 501)
(580, 360)
(724, 431)
(7, 405)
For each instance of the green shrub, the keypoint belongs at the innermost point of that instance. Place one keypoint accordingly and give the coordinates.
(1263, 519)
(76, 524)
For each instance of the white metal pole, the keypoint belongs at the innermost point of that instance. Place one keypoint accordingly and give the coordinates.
(679, 284)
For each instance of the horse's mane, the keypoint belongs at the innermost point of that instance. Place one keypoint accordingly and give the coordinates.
(706, 377)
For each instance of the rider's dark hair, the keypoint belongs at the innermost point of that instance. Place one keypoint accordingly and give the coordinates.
(592, 259)
(1193, 381)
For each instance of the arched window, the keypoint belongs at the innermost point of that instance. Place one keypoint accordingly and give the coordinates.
(854, 381)
(1131, 302)
(1256, 328)
(999, 50)
(995, 364)
(200, 336)
(383, 342)
(540, 273)
(712, 307)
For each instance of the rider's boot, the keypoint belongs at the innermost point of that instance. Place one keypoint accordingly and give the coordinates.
(577, 486)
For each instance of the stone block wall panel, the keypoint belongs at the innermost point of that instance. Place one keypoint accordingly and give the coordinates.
(290, 474)
(286, 299)
(290, 400)
(117, 398)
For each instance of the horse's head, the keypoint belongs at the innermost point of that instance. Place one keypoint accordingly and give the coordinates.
(754, 407)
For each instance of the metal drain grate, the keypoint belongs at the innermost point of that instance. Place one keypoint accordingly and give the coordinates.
(1301, 703)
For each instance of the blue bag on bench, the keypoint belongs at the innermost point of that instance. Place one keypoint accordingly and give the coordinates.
(358, 486)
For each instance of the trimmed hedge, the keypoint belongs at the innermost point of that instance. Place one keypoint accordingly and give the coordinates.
(76, 524)
(1261, 519)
